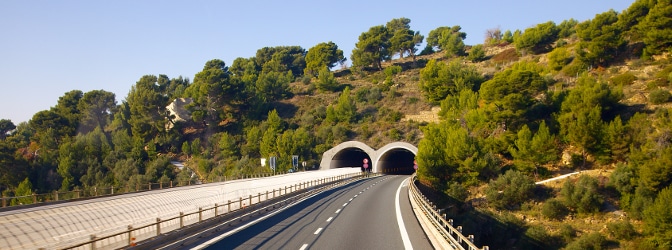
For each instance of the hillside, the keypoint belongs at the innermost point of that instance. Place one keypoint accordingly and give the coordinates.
(528, 226)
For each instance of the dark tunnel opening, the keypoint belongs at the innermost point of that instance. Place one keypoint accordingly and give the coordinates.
(350, 158)
(397, 161)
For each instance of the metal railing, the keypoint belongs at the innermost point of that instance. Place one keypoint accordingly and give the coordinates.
(135, 234)
(453, 235)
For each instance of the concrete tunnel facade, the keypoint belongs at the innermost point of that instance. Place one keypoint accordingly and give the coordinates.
(396, 157)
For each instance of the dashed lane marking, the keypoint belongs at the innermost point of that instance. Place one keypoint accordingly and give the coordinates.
(318, 231)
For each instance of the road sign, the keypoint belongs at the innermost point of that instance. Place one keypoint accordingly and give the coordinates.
(272, 162)
(295, 161)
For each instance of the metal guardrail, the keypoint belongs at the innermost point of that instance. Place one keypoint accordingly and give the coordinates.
(133, 235)
(453, 235)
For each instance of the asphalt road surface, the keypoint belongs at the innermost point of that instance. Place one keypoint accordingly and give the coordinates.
(372, 213)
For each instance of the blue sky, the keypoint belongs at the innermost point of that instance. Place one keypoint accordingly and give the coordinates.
(48, 48)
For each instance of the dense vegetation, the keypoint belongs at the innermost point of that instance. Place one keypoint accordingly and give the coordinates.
(522, 106)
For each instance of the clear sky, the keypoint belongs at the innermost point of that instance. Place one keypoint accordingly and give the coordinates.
(48, 48)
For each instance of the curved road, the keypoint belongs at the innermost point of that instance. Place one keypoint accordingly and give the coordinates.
(373, 213)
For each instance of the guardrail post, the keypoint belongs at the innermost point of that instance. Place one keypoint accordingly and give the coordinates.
(4, 201)
(112, 189)
(160, 185)
(93, 241)
(171, 184)
(158, 226)
(228, 209)
(258, 197)
(216, 206)
(250, 200)
(181, 219)
(240, 202)
(130, 236)
(200, 214)
(55, 195)
(266, 194)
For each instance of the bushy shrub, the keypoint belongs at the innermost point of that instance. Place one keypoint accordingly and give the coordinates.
(583, 196)
(567, 232)
(509, 190)
(540, 234)
(659, 96)
(554, 209)
(574, 68)
(392, 70)
(559, 58)
(588, 241)
(457, 191)
(477, 53)
(621, 230)
(623, 79)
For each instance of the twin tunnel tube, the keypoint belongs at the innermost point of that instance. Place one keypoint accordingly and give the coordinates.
(393, 158)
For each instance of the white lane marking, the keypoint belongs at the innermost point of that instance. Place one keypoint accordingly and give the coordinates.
(356, 195)
(400, 220)
(338, 211)
(351, 199)
(330, 218)
(318, 231)
(304, 247)
(345, 204)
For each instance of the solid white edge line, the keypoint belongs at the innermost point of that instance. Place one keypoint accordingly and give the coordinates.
(400, 220)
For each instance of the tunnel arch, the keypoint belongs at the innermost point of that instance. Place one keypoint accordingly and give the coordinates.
(393, 158)
(396, 157)
(347, 154)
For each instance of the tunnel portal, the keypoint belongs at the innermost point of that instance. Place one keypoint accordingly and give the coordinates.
(396, 161)
(349, 158)
(393, 158)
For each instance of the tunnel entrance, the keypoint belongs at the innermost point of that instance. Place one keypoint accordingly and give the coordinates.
(350, 158)
(397, 161)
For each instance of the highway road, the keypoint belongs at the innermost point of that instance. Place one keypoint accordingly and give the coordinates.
(373, 213)
(60, 225)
